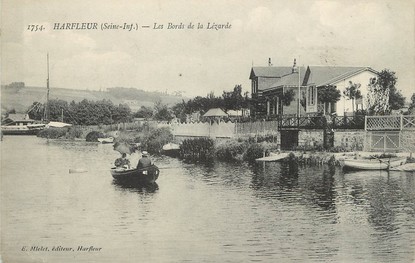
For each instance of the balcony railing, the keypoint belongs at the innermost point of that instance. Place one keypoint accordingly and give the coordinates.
(322, 122)
(348, 122)
(370, 123)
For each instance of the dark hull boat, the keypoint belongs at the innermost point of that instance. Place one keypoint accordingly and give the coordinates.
(30, 129)
(147, 175)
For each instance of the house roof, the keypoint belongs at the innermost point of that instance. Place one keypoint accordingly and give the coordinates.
(269, 72)
(323, 75)
(289, 79)
(266, 83)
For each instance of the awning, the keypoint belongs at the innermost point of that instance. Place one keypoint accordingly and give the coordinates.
(215, 112)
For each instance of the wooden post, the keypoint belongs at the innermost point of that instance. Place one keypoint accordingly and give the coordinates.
(365, 123)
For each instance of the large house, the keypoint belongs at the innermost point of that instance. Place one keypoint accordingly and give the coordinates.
(270, 86)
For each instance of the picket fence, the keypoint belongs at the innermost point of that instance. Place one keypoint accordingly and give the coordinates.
(222, 129)
(197, 129)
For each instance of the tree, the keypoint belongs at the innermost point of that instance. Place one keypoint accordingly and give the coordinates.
(387, 80)
(56, 109)
(412, 105)
(36, 111)
(122, 113)
(303, 100)
(287, 97)
(353, 93)
(377, 98)
(82, 113)
(233, 100)
(383, 95)
(179, 110)
(162, 112)
(328, 95)
(144, 112)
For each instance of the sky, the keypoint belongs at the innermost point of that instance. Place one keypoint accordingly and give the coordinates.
(379, 34)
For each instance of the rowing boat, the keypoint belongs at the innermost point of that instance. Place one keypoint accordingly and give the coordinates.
(373, 164)
(146, 175)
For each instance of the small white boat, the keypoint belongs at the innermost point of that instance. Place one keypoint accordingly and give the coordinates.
(106, 140)
(373, 164)
(171, 149)
(171, 146)
(273, 157)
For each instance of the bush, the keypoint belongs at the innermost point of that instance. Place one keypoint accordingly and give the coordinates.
(74, 132)
(126, 137)
(230, 151)
(156, 139)
(151, 139)
(255, 151)
(94, 135)
(263, 138)
(52, 133)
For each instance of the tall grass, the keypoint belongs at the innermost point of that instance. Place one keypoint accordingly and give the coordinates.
(198, 149)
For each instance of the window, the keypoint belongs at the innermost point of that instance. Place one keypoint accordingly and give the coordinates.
(311, 95)
(254, 85)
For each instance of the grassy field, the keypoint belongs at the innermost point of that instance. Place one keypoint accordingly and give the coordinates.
(21, 99)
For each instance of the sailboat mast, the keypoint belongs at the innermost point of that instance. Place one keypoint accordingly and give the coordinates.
(47, 94)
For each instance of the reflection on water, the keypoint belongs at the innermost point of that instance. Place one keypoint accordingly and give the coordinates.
(217, 212)
(138, 188)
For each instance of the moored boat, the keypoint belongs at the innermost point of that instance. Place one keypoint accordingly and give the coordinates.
(30, 129)
(106, 140)
(373, 164)
(20, 124)
(146, 175)
(171, 149)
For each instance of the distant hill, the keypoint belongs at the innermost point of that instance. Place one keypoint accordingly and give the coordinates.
(21, 98)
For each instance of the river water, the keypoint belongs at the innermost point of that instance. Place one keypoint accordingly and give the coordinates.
(196, 213)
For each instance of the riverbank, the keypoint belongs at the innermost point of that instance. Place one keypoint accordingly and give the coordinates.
(197, 149)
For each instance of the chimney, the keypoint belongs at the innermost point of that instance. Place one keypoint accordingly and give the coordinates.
(269, 62)
(295, 69)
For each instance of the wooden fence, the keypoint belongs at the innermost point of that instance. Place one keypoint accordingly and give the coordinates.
(223, 129)
(389, 122)
(256, 128)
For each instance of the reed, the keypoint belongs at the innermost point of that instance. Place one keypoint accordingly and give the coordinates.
(198, 149)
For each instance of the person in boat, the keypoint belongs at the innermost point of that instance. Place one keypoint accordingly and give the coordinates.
(122, 162)
(145, 161)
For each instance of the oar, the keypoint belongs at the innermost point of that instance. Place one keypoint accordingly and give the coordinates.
(83, 170)
(160, 168)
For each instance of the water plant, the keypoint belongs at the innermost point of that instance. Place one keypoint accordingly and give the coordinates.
(198, 149)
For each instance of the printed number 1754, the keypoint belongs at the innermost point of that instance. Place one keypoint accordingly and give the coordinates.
(35, 28)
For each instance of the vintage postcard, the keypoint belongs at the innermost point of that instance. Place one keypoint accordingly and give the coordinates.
(207, 131)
